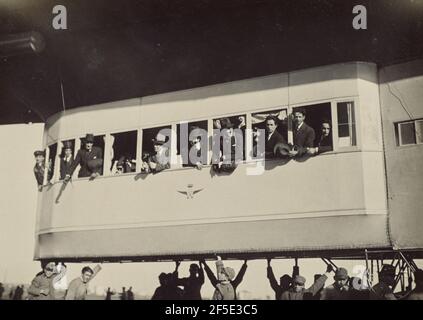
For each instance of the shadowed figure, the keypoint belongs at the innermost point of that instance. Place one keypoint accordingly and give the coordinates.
(192, 284)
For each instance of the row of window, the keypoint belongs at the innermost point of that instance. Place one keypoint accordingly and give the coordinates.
(122, 146)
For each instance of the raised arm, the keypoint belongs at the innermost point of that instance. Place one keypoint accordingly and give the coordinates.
(240, 275)
(59, 274)
(71, 293)
(210, 274)
(320, 282)
(35, 288)
(272, 280)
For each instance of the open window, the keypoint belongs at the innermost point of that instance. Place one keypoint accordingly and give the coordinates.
(229, 132)
(273, 125)
(346, 124)
(319, 118)
(99, 142)
(156, 144)
(124, 152)
(192, 143)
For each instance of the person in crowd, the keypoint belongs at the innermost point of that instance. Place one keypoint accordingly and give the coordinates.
(66, 159)
(160, 160)
(226, 283)
(109, 294)
(197, 157)
(298, 290)
(123, 294)
(42, 286)
(417, 292)
(90, 158)
(383, 289)
(161, 292)
(17, 295)
(1, 290)
(227, 153)
(192, 284)
(78, 288)
(11, 293)
(273, 137)
(339, 290)
(283, 285)
(39, 168)
(130, 294)
(303, 134)
(324, 143)
(173, 291)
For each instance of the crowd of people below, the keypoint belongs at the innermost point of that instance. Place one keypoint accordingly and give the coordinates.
(227, 150)
(226, 282)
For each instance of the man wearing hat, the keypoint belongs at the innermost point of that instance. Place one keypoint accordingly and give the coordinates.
(298, 291)
(339, 290)
(226, 283)
(66, 158)
(161, 158)
(39, 168)
(383, 290)
(90, 158)
(42, 286)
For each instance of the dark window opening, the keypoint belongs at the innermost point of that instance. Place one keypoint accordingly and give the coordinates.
(319, 118)
(99, 143)
(197, 144)
(124, 152)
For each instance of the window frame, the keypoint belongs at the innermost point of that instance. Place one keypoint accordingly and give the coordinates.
(397, 133)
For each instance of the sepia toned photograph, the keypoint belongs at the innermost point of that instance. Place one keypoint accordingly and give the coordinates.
(238, 150)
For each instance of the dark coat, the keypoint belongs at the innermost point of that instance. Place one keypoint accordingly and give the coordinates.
(82, 158)
(192, 286)
(39, 174)
(304, 137)
(275, 138)
(325, 144)
(64, 166)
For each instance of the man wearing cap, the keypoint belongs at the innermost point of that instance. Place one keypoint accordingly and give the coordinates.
(161, 158)
(298, 291)
(382, 290)
(42, 286)
(39, 168)
(283, 285)
(90, 158)
(339, 290)
(66, 159)
(78, 288)
(226, 283)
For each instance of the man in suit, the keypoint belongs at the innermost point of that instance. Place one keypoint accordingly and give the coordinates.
(273, 137)
(66, 159)
(303, 134)
(90, 158)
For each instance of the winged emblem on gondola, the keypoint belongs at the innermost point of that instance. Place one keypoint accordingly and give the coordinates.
(190, 191)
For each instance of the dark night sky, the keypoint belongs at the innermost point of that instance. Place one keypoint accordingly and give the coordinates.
(130, 48)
